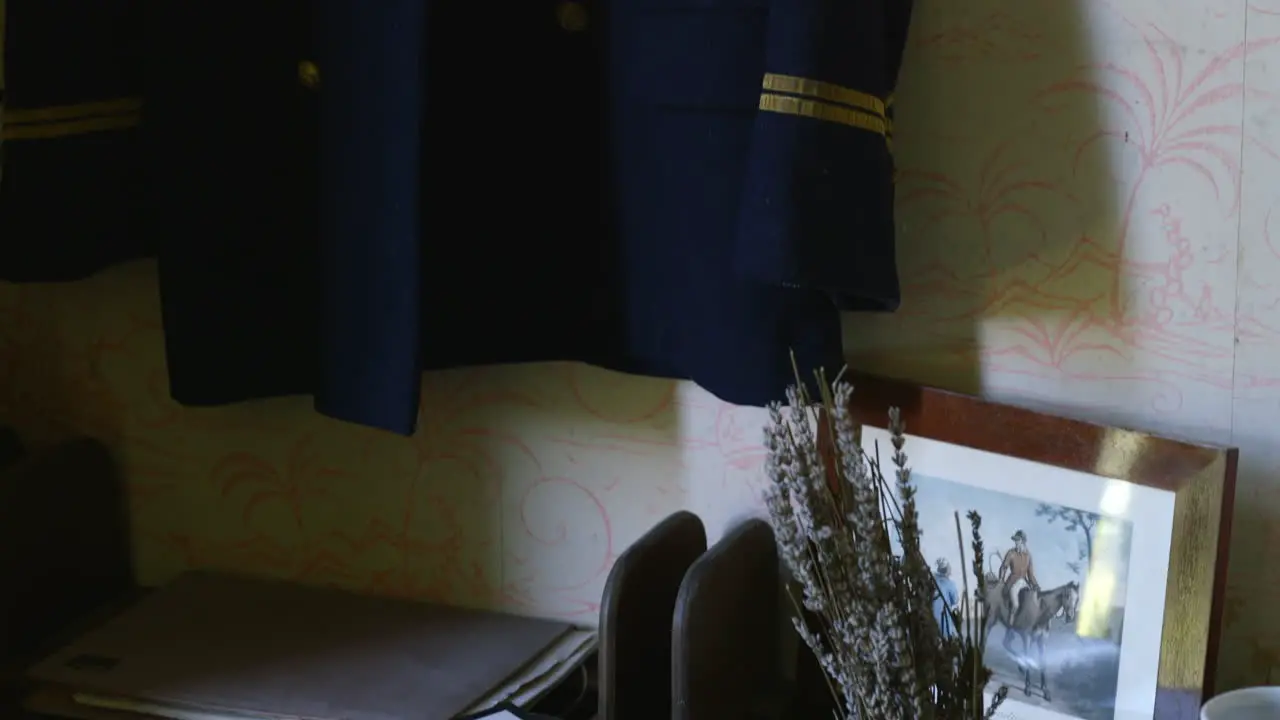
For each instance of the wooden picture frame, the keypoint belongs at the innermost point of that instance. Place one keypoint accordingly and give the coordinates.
(1044, 459)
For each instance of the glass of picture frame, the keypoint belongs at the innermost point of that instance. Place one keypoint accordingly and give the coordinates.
(1105, 549)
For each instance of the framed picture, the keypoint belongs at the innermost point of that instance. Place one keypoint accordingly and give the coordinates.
(1105, 549)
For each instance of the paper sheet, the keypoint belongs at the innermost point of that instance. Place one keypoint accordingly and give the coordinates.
(142, 707)
(521, 690)
(536, 679)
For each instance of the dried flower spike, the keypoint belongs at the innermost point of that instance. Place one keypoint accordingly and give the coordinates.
(891, 644)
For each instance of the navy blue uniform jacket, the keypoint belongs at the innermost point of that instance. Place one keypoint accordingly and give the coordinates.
(342, 194)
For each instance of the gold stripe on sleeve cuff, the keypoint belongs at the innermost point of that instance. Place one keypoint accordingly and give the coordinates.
(819, 90)
(825, 112)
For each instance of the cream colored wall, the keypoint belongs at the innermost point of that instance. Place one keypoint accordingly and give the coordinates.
(1087, 199)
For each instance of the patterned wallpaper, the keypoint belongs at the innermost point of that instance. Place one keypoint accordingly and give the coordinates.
(1088, 195)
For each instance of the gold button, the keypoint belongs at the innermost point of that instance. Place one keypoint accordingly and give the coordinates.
(308, 74)
(572, 16)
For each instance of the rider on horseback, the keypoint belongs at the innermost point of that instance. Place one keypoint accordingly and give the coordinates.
(1016, 572)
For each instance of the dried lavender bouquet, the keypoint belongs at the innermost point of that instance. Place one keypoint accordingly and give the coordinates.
(865, 603)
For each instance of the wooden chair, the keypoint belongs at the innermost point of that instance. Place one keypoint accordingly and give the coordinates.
(64, 549)
(727, 631)
(635, 619)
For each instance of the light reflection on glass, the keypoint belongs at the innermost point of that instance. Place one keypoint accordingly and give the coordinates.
(1119, 451)
(1101, 588)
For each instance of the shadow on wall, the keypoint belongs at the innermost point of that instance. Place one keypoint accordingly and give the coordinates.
(520, 487)
(52, 379)
(1012, 207)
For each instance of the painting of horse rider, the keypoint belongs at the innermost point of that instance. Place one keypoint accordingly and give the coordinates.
(1054, 601)
(1016, 573)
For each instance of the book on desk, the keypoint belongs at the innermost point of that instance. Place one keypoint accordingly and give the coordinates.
(221, 647)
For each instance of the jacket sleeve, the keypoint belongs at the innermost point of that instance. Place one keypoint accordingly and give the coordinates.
(817, 206)
(371, 105)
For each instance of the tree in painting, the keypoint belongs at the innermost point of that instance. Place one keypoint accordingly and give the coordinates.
(1073, 520)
